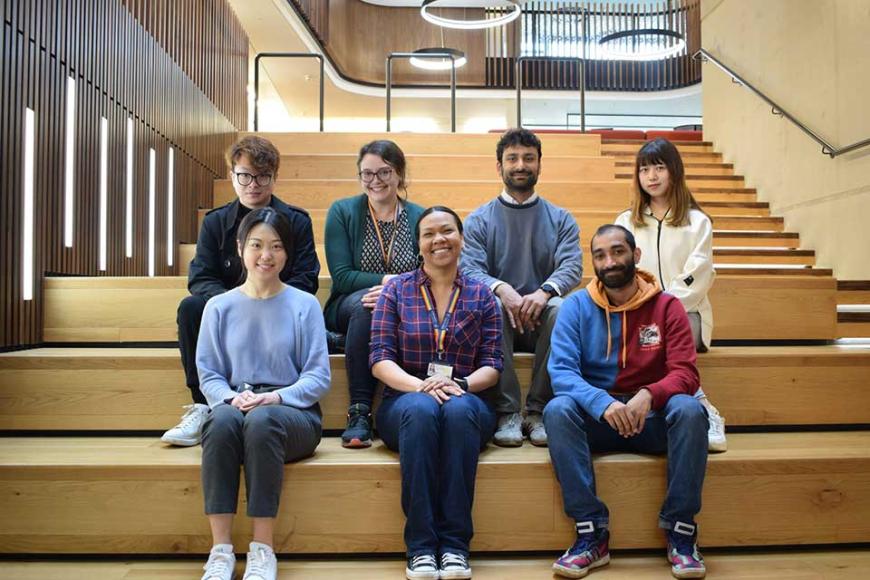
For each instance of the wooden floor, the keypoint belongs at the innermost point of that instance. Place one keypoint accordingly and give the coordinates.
(774, 565)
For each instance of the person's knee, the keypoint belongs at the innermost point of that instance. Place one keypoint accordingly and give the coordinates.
(562, 411)
(459, 411)
(223, 423)
(261, 424)
(419, 411)
(191, 309)
(686, 410)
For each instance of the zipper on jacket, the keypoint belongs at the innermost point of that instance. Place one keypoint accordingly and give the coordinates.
(659, 250)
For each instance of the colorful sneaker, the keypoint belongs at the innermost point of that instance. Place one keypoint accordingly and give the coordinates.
(221, 562)
(509, 431)
(533, 426)
(454, 565)
(262, 563)
(358, 433)
(422, 566)
(686, 561)
(589, 551)
(188, 432)
(716, 442)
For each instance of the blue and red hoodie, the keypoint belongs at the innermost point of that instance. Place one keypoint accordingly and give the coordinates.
(599, 350)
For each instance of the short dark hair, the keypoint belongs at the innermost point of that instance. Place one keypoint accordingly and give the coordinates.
(275, 220)
(262, 153)
(430, 210)
(629, 237)
(513, 137)
(392, 154)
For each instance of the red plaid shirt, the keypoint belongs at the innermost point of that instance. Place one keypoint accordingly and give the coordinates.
(402, 329)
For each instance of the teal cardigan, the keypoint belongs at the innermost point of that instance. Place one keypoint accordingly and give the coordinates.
(345, 228)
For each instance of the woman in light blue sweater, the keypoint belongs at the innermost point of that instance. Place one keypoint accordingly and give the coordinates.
(263, 367)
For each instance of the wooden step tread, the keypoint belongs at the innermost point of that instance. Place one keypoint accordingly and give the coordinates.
(829, 564)
(142, 389)
(134, 495)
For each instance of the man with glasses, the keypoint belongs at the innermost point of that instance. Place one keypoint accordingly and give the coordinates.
(217, 267)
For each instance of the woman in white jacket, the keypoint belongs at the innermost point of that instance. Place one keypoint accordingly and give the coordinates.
(676, 241)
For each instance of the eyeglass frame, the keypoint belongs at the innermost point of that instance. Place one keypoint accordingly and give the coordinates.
(253, 178)
(386, 171)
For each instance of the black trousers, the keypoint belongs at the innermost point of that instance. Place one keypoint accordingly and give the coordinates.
(189, 320)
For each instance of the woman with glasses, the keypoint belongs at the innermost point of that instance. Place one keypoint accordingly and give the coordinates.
(216, 268)
(369, 239)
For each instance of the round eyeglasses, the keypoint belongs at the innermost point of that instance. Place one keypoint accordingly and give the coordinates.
(384, 173)
(263, 179)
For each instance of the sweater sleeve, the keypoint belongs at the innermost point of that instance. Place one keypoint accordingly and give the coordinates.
(204, 275)
(565, 366)
(696, 277)
(474, 250)
(211, 360)
(682, 374)
(569, 256)
(311, 358)
(339, 254)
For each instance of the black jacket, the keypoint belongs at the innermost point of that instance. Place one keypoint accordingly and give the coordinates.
(217, 267)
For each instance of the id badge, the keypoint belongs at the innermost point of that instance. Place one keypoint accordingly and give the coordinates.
(440, 369)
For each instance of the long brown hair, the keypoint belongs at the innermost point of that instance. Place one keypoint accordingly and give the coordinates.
(660, 151)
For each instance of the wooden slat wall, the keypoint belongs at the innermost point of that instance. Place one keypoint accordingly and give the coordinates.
(316, 14)
(178, 68)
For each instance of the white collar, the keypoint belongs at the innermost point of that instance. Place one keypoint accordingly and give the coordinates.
(505, 196)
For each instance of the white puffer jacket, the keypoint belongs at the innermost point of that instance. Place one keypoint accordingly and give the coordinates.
(681, 258)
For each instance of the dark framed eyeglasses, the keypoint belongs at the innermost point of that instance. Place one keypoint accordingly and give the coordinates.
(384, 173)
(263, 179)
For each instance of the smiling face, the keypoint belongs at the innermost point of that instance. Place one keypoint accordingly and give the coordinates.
(381, 188)
(519, 168)
(263, 253)
(613, 260)
(655, 180)
(253, 195)
(440, 240)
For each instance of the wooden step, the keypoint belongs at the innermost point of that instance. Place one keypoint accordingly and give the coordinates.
(136, 496)
(314, 194)
(142, 389)
(853, 324)
(552, 145)
(694, 180)
(694, 156)
(746, 306)
(756, 239)
(830, 564)
(461, 167)
(626, 165)
(853, 291)
(632, 146)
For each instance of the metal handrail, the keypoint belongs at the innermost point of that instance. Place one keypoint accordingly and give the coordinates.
(827, 148)
(453, 58)
(519, 80)
(319, 57)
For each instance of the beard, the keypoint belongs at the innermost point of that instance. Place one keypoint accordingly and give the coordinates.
(520, 186)
(618, 277)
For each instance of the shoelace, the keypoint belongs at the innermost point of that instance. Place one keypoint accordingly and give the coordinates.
(450, 559)
(717, 424)
(218, 564)
(583, 543)
(358, 419)
(683, 544)
(257, 563)
(424, 560)
(189, 416)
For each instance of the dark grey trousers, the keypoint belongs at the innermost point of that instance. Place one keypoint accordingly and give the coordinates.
(263, 440)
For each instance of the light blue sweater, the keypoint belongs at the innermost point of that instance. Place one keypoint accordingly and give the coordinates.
(279, 340)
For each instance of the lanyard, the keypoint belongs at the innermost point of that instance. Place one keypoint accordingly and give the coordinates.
(386, 251)
(439, 329)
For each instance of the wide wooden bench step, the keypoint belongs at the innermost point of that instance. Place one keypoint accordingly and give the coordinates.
(136, 496)
(853, 292)
(118, 389)
(694, 156)
(631, 146)
(626, 165)
(853, 324)
(425, 144)
(132, 309)
(829, 564)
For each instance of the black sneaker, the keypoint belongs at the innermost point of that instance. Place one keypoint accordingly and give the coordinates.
(454, 565)
(422, 567)
(358, 433)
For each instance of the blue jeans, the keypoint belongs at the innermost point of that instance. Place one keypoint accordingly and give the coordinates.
(438, 448)
(679, 430)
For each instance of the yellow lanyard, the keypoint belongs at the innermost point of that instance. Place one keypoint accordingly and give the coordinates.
(439, 330)
(386, 252)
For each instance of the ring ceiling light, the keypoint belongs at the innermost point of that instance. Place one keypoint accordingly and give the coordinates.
(445, 63)
(513, 5)
(653, 38)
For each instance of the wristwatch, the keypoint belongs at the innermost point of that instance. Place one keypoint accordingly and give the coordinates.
(549, 289)
(463, 383)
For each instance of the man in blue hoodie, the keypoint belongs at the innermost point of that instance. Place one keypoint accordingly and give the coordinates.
(622, 366)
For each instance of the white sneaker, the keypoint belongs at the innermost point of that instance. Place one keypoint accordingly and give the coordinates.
(189, 431)
(454, 566)
(422, 567)
(509, 430)
(262, 564)
(221, 562)
(716, 442)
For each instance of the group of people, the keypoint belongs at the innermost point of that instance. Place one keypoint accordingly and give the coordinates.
(434, 309)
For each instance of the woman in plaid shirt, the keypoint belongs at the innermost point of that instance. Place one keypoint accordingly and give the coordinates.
(436, 345)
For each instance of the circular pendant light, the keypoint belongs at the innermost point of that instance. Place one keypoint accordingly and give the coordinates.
(513, 5)
(444, 63)
(655, 37)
